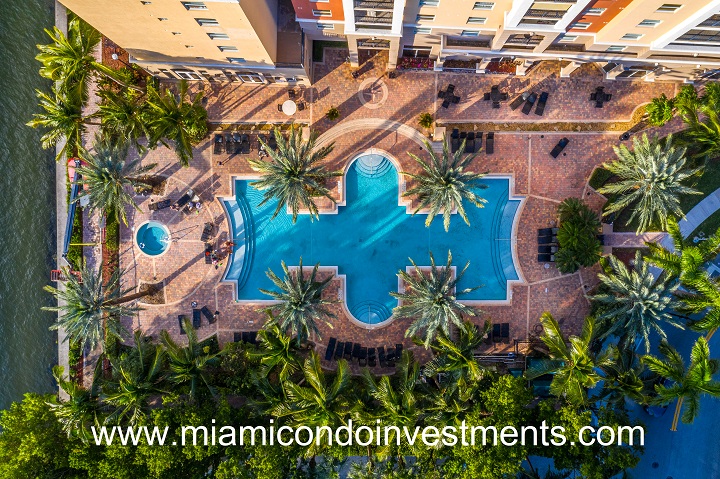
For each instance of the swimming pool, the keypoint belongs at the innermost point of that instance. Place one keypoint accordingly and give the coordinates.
(153, 238)
(370, 239)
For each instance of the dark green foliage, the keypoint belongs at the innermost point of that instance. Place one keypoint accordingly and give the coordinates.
(577, 238)
(599, 177)
(332, 114)
(318, 47)
(660, 110)
(426, 120)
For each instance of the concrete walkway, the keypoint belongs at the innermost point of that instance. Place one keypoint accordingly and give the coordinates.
(694, 218)
(632, 240)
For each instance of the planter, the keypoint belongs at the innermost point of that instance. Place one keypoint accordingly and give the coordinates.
(413, 63)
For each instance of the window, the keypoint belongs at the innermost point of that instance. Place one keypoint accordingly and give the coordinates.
(568, 38)
(226, 48)
(483, 6)
(219, 36)
(167, 73)
(616, 48)
(469, 33)
(580, 25)
(325, 26)
(429, 3)
(207, 22)
(595, 11)
(425, 18)
(322, 13)
(423, 30)
(236, 60)
(669, 8)
(476, 20)
(188, 75)
(648, 22)
(631, 36)
(194, 6)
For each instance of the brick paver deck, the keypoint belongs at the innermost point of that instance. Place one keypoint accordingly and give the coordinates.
(373, 96)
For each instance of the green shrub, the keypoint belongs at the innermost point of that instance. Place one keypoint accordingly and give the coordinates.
(426, 120)
(332, 114)
(660, 110)
(599, 177)
(578, 245)
(112, 234)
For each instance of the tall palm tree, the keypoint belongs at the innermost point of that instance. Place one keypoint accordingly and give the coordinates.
(122, 115)
(189, 365)
(81, 411)
(62, 118)
(688, 383)
(449, 401)
(294, 174)
(178, 118)
(137, 380)
(431, 299)
(660, 110)
(650, 180)
(397, 400)
(701, 116)
(301, 303)
(575, 367)
(456, 356)
(320, 401)
(636, 303)
(109, 175)
(276, 351)
(701, 297)
(624, 378)
(444, 183)
(91, 309)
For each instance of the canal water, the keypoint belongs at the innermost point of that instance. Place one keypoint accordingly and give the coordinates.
(27, 207)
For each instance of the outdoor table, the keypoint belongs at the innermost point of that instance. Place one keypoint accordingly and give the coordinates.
(289, 107)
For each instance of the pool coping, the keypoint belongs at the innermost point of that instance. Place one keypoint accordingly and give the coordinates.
(342, 291)
(135, 231)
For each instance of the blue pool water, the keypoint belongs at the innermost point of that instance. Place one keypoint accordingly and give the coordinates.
(153, 238)
(371, 238)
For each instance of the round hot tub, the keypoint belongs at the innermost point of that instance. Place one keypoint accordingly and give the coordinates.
(153, 238)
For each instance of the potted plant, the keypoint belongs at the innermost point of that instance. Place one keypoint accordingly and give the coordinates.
(332, 114)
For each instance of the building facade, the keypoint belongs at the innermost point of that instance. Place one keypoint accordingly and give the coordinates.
(263, 41)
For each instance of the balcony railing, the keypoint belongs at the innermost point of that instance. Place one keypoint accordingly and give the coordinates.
(537, 13)
(463, 43)
(375, 4)
(382, 18)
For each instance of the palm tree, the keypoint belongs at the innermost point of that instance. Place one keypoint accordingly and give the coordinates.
(189, 365)
(456, 356)
(293, 173)
(69, 59)
(701, 116)
(301, 303)
(91, 308)
(122, 115)
(108, 175)
(431, 300)
(83, 409)
(449, 402)
(650, 180)
(276, 351)
(178, 118)
(575, 367)
(62, 117)
(138, 378)
(688, 384)
(636, 303)
(444, 184)
(397, 400)
(623, 378)
(701, 297)
(320, 401)
(660, 110)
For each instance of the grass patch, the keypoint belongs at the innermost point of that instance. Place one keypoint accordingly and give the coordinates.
(708, 227)
(75, 251)
(707, 183)
(599, 177)
(319, 45)
(112, 234)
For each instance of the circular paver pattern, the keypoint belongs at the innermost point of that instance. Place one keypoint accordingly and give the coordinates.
(373, 92)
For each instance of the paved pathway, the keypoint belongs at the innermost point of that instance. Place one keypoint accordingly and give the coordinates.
(632, 240)
(694, 218)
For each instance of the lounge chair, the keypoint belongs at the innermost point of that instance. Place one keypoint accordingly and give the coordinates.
(601, 239)
(159, 205)
(454, 144)
(545, 249)
(356, 350)
(547, 231)
(237, 146)
(196, 319)
(272, 142)
(490, 143)
(478, 140)
(381, 356)
(206, 232)
(505, 332)
(559, 147)
(517, 102)
(362, 359)
(339, 350)
(181, 322)
(208, 252)
(455, 133)
(546, 258)
(211, 318)
(391, 354)
(470, 143)
(244, 144)
(330, 349)
(496, 333)
(547, 240)
(529, 103)
(398, 350)
(463, 135)
(347, 354)
(451, 88)
(229, 144)
(183, 200)
(218, 145)
(371, 358)
(540, 108)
